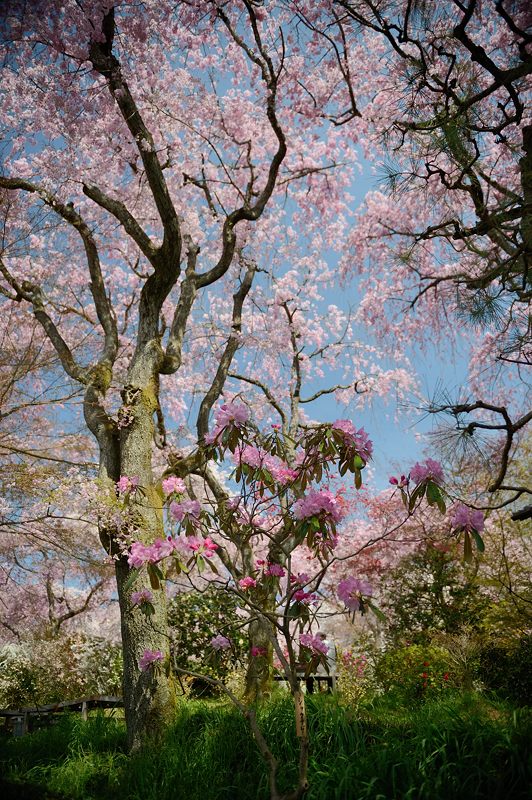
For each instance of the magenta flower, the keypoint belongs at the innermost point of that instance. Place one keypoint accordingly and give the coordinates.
(143, 596)
(140, 554)
(148, 658)
(350, 591)
(258, 651)
(174, 484)
(186, 508)
(127, 485)
(201, 546)
(274, 571)
(235, 414)
(429, 470)
(467, 519)
(358, 441)
(220, 642)
(257, 458)
(247, 583)
(314, 643)
(399, 482)
(322, 502)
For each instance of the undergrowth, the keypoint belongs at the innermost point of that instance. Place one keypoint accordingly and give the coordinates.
(460, 748)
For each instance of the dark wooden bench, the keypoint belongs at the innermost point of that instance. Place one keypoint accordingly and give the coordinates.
(311, 680)
(21, 720)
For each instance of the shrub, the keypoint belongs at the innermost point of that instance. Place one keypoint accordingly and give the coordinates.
(414, 672)
(506, 669)
(44, 671)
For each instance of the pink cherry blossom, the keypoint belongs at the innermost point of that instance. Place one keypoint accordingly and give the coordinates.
(148, 658)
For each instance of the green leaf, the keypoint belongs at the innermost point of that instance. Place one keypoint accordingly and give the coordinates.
(155, 582)
(130, 580)
(358, 462)
(478, 540)
(435, 497)
(468, 552)
(358, 478)
(378, 613)
(212, 566)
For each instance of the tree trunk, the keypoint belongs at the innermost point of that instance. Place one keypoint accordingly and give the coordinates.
(149, 699)
(259, 674)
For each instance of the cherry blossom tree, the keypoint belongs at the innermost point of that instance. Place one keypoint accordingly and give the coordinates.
(448, 231)
(151, 161)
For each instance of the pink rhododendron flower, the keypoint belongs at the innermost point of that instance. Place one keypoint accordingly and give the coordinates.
(201, 547)
(301, 596)
(257, 458)
(220, 642)
(247, 583)
(126, 484)
(428, 470)
(356, 440)
(350, 591)
(186, 508)
(399, 482)
(143, 596)
(274, 571)
(148, 658)
(236, 414)
(174, 484)
(314, 643)
(318, 502)
(467, 519)
(140, 554)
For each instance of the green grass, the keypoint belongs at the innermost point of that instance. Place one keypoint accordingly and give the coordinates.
(460, 748)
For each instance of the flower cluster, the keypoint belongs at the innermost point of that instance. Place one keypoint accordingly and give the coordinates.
(201, 547)
(126, 485)
(247, 583)
(140, 554)
(140, 597)
(220, 642)
(467, 519)
(314, 643)
(230, 414)
(358, 441)
(351, 590)
(173, 484)
(257, 458)
(148, 658)
(320, 502)
(191, 509)
(428, 470)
